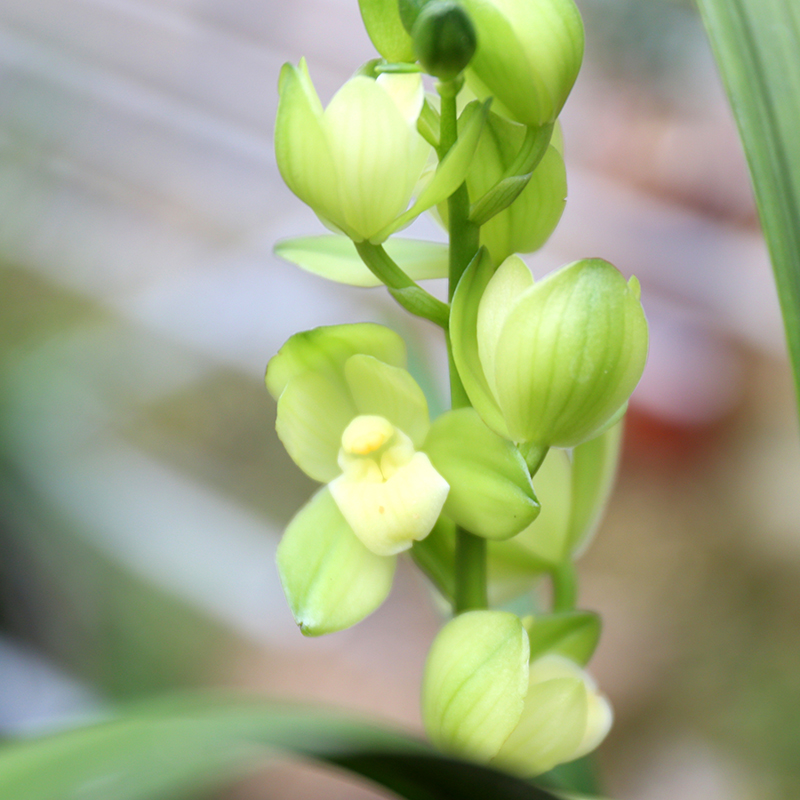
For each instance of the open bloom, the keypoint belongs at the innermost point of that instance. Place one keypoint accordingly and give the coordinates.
(549, 363)
(352, 417)
(358, 162)
(483, 699)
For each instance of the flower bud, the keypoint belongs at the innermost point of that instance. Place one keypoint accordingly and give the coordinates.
(356, 163)
(528, 56)
(474, 685)
(481, 698)
(409, 11)
(549, 363)
(444, 39)
(389, 36)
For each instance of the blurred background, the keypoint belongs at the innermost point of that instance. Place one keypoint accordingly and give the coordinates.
(142, 488)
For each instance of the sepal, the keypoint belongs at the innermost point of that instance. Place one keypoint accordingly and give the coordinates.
(382, 20)
(490, 489)
(475, 681)
(330, 579)
(528, 56)
(572, 634)
(335, 258)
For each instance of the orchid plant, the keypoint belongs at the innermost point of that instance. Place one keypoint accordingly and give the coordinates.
(507, 486)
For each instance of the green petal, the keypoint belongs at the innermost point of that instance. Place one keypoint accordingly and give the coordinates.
(490, 487)
(528, 223)
(550, 729)
(515, 564)
(464, 340)
(571, 352)
(313, 412)
(500, 67)
(325, 350)
(500, 296)
(382, 21)
(449, 174)
(301, 146)
(330, 579)
(528, 56)
(476, 677)
(594, 468)
(390, 392)
(335, 258)
(572, 634)
(377, 155)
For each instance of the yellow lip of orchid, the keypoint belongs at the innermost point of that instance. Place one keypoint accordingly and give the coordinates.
(389, 493)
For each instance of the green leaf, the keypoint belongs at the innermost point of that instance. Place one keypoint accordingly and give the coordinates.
(335, 258)
(162, 750)
(573, 634)
(756, 44)
(330, 579)
(490, 487)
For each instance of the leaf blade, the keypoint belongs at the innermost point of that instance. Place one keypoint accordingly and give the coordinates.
(755, 43)
(161, 749)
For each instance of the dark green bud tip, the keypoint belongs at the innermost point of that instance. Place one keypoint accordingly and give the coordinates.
(409, 11)
(444, 39)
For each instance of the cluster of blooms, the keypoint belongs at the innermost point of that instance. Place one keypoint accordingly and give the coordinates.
(547, 366)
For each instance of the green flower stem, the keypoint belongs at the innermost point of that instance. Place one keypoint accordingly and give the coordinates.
(470, 560)
(470, 593)
(408, 294)
(565, 587)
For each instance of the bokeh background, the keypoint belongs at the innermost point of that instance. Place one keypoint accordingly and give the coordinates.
(142, 488)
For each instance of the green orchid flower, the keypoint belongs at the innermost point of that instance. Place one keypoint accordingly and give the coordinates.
(482, 697)
(352, 417)
(528, 56)
(551, 363)
(358, 162)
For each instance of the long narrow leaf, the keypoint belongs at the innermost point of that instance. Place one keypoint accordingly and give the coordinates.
(167, 749)
(757, 47)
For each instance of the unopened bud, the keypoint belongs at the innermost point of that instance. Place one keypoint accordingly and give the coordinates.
(444, 39)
